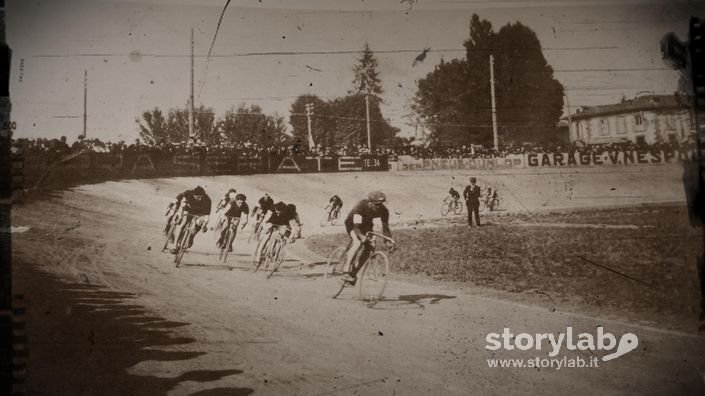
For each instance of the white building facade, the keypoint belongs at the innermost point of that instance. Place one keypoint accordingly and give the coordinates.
(646, 119)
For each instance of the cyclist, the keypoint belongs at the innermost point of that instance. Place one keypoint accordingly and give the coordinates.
(334, 203)
(358, 223)
(491, 197)
(198, 204)
(174, 211)
(453, 195)
(264, 205)
(236, 213)
(229, 196)
(282, 215)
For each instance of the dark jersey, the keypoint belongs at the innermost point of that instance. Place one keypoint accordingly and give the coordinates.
(198, 208)
(237, 211)
(281, 219)
(266, 204)
(363, 214)
(454, 194)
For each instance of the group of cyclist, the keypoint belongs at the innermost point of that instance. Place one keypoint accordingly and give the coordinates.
(195, 205)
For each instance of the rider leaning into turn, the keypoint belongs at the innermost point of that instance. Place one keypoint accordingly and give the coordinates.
(453, 195)
(358, 223)
(229, 196)
(283, 215)
(334, 203)
(264, 205)
(196, 203)
(236, 212)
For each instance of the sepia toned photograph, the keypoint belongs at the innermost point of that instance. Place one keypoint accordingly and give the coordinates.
(359, 197)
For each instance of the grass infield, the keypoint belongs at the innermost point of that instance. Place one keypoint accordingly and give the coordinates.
(638, 262)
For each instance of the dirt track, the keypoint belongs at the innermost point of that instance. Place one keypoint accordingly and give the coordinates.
(109, 313)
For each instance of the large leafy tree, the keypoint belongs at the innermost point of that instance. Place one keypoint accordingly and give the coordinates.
(454, 99)
(203, 124)
(322, 124)
(153, 128)
(251, 125)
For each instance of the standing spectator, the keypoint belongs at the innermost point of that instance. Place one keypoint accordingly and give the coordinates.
(472, 201)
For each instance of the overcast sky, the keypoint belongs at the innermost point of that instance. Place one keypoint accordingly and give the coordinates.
(269, 52)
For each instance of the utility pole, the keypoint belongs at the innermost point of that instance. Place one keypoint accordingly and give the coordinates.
(309, 113)
(367, 111)
(570, 120)
(494, 109)
(190, 102)
(85, 102)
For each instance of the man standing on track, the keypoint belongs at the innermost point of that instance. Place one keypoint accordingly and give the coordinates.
(472, 201)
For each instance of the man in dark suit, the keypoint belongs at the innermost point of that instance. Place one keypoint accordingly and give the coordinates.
(472, 201)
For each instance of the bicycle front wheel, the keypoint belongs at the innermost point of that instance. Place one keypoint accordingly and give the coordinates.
(277, 257)
(334, 270)
(335, 217)
(325, 219)
(444, 209)
(458, 208)
(373, 277)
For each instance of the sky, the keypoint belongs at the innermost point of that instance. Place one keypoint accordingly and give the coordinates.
(137, 53)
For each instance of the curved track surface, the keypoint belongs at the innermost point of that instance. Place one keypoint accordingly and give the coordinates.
(110, 314)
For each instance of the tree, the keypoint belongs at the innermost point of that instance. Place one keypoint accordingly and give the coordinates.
(203, 124)
(454, 100)
(153, 128)
(366, 78)
(322, 125)
(250, 125)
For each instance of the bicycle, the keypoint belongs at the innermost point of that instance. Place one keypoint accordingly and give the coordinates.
(171, 229)
(230, 234)
(489, 203)
(256, 229)
(185, 235)
(272, 253)
(451, 205)
(372, 276)
(330, 216)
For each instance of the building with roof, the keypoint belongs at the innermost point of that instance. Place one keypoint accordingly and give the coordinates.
(646, 119)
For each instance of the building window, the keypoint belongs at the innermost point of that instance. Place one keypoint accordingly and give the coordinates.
(621, 125)
(604, 128)
(639, 122)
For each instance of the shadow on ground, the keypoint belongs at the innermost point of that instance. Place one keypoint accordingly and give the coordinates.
(83, 340)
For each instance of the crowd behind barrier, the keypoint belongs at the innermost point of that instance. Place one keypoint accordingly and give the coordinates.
(91, 160)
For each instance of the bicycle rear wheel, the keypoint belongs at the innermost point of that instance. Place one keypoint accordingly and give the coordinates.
(181, 247)
(334, 270)
(444, 209)
(263, 252)
(277, 255)
(373, 277)
(458, 208)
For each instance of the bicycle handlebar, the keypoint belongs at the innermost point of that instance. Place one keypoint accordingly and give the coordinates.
(369, 233)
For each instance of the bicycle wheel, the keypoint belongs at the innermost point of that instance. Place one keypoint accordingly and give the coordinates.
(181, 247)
(458, 208)
(263, 252)
(277, 257)
(444, 209)
(254, 234)
(229, 236)
(373, 277)
(269, 258)
(335, 217)
(169, 235)
(334, 269)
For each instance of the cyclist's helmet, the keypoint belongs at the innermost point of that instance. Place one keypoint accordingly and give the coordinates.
(240, 197)
(280, 206)
(291, 208)
(199, 191)
(377, 197)
(451, 191)
(232, 190)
